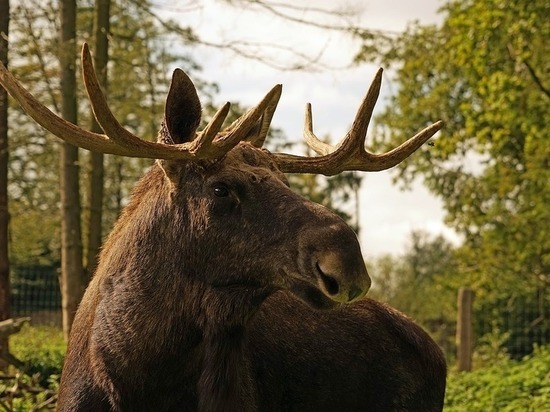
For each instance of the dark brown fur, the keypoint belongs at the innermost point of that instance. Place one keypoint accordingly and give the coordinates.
(219, 303)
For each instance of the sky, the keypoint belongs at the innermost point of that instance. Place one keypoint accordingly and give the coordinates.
(387, 215)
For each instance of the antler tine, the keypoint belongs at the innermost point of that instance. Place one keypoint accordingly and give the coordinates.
(204, 140)
(199, 148)
(318, 146)
(110, 125)
(355, 138)
(240, 128)
(50, 121)
(400, 153)
(265, 122)
(351, 153)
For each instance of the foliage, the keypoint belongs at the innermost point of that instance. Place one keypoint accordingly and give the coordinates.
(21, 393)
(423, 284)
(42, 350)
(484, 71)
(490, 348)
(506, 385)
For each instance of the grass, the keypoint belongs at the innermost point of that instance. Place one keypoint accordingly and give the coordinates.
(41, 348)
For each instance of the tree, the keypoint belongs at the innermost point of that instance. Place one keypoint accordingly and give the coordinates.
(5, 296)
(33, 183)
(422, 283)
(72, 271)
(485, 72)
(101, 41)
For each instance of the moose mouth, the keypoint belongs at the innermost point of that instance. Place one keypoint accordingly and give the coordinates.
(311, 295)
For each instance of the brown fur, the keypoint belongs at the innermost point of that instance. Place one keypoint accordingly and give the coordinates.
(213, 302)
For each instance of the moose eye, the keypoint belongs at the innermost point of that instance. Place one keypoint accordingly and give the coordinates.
(221, 191)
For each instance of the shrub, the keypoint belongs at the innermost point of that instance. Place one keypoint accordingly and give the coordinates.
(42, 350)
(507, 385)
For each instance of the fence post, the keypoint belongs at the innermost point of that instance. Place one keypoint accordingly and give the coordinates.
(464, 335)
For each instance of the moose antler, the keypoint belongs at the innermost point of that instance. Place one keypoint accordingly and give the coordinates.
(208, 144)
(350, 154)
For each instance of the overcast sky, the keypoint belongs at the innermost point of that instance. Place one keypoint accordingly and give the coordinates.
(387, 215)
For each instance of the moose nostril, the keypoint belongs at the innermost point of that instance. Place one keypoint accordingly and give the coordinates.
(331, 284)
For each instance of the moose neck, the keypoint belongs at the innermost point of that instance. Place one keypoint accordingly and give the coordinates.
(225, 383)
(202, 324)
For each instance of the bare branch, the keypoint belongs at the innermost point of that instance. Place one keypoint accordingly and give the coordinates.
(534, 76)
(536, 79)
(263, 52)
(273, 8)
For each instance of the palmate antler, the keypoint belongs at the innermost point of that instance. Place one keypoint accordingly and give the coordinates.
(212, 143)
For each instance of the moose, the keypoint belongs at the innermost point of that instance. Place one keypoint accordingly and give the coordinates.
(221, 289)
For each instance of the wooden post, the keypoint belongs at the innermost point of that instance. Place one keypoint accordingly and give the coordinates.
(464, 335)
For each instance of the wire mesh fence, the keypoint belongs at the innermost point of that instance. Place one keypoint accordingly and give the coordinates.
(35, 292)
(519, 322)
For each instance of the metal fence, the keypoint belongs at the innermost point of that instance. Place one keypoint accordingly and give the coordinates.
(519, 323)
(35, 292)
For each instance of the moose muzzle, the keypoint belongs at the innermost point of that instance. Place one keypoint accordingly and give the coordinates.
(335, 259)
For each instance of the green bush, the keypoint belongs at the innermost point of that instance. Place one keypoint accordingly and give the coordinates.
(507, 385)
(21, 393)
(42, 350)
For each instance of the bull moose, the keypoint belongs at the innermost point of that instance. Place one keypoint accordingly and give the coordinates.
(220, 289)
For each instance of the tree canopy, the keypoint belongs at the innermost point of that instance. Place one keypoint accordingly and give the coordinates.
(485, 72)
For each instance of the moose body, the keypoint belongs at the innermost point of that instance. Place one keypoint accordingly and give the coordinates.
(151, 334)
(364, 356)
(220, 289)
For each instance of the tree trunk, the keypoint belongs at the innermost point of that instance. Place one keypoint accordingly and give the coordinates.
(464, 334)
(101, 27)
(72, 276)
(4, 213)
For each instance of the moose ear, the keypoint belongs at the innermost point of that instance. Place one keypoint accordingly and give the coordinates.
(182, 111)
